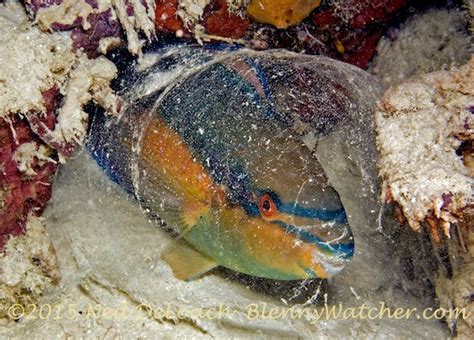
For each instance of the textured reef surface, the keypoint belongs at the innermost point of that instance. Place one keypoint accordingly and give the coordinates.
(434, 114)
(109, 250)
(41, 123)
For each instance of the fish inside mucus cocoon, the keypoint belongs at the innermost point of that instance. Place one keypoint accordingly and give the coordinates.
(218, 142)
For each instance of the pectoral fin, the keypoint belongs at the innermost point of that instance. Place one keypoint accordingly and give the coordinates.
(187, 264)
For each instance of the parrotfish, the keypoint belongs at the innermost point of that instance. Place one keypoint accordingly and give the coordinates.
(211, 142)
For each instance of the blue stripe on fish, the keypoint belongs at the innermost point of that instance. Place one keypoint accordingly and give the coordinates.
(261, 76)
(265, 103)
(338, 216)
(222, 47)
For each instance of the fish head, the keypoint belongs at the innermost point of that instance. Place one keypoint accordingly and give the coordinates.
(279, 219)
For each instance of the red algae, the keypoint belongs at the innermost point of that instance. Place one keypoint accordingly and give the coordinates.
(166, 18)
(21, 194)
(219, 21)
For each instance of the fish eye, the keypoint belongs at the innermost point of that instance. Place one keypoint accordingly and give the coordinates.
(266, 205)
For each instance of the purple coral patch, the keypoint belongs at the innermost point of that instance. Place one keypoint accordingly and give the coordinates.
(130, 11)
(33, 6)
(102, 26)
(447, 198)
(57, 26)
(94, 4)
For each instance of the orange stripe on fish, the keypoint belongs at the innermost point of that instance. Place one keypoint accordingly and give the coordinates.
(167, 155)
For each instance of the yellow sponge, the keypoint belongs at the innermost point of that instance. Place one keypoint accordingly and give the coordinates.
(281, 13)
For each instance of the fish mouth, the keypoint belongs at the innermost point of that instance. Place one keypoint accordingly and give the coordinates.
(332, 266)
(268, 249)
(329, 231)
(337, 244)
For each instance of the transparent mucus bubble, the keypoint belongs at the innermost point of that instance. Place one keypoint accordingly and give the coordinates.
(219, 145)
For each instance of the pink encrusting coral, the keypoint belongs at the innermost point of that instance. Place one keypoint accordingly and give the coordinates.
(96, 25)
(46, 79)
(25, 179)
(27, 166)
(42, 121)
(219, 21)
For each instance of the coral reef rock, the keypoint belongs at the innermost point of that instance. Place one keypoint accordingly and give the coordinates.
(421, 124)
(27, 265)
(425, 43)
(97, 25)
(425, 136)
(45, 85)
